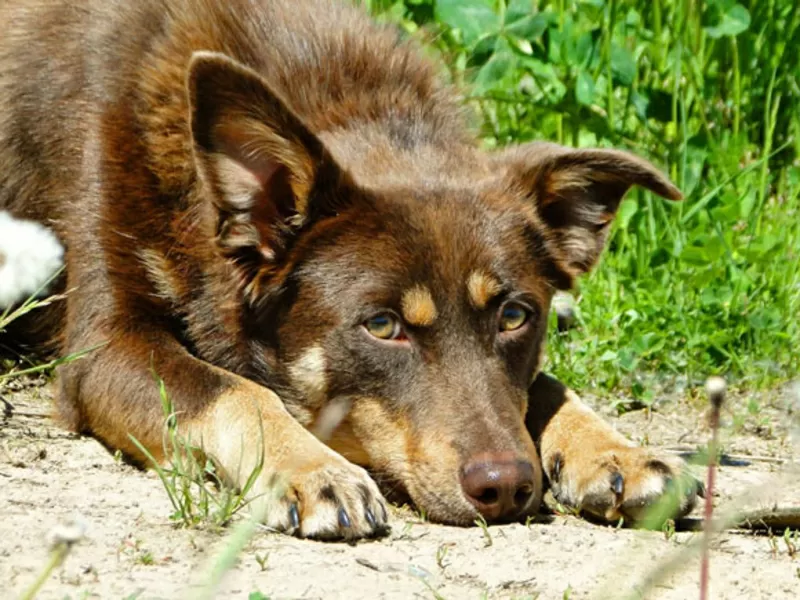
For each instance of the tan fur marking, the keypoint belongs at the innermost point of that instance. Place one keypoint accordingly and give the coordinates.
(384, 436)
(482, 287)
(308, 375)
(344, 441)
(418, 307)
(239, 425)
(160, 275)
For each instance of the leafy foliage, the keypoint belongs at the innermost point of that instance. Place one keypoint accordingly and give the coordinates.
(710, 90)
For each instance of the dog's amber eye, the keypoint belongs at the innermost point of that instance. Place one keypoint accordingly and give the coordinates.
(512, 316)
(384, 327)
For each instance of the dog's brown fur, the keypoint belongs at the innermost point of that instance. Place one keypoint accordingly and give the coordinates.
(240, 186)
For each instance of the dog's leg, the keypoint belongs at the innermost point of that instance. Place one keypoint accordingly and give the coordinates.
(303, 486)
(592, 467)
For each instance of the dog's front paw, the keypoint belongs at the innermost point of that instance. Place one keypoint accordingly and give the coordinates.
(328, 498)
(623, 481)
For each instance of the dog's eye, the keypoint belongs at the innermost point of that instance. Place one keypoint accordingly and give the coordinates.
(512, 317)
(384, 327)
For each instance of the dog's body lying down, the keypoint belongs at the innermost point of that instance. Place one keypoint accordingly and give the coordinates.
(277, 206)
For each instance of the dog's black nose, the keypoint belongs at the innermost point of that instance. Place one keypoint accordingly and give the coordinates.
(499, 485)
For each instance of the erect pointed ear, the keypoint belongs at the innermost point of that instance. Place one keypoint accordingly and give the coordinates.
(266, 172)
(576, 194)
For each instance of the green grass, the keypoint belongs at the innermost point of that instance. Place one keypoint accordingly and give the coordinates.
(198, 494)
(32, 303)
(709, 90)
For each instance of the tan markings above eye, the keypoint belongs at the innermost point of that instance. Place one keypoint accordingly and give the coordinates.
(513, 316)
(482, 287)
(418, 306)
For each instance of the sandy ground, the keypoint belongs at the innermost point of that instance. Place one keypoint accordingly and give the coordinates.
(132, 550)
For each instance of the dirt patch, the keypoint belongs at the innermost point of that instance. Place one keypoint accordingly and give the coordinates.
(132, 550)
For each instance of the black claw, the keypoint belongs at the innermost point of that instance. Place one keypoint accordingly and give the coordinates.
(700, 488)
(384, 514)
(294, 516)
(344, 518)
(370, 518)
(617, 483)
(556, 467)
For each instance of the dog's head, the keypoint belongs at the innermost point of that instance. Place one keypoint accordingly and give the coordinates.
(399, 292)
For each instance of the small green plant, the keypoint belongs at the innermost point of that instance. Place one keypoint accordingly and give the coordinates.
(668, 528)
(790, 539)
(407, 527)
(773, 544)
(441, 554)
(262, 560)
(487, 536)
(565, 511)
(32, 303)
(132, 548)
(434, 592)
(530, 520)
(197, 494)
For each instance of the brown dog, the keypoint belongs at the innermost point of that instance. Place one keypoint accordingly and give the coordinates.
(278, 205)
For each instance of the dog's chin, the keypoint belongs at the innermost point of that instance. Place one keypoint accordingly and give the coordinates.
(463, 515)
(460, 513)
(435, 503)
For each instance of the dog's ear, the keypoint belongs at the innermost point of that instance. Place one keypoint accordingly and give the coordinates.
(576, 194)
(266, 172)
